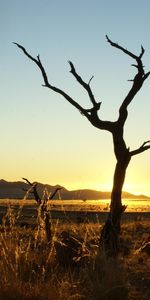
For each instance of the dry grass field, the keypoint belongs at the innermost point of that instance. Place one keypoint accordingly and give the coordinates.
(70, 267)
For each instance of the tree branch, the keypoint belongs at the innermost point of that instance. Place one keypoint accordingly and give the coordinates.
(90, 79)
(54, 193)
(34, 190)
(145, 146)
(90, 114)
(37, 61)
(138, 80)
(123, 49)
(84, 84)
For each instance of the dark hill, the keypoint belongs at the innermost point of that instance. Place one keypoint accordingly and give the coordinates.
(16, 190)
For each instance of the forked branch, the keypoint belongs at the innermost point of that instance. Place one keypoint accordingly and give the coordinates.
(145, 146)
(37, 61)
(90, 114)
(83, 83)
(125, 50)
(137, 81)
(34, 190)
(36, 194)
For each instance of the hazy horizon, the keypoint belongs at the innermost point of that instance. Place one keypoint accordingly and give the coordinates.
(76, 189)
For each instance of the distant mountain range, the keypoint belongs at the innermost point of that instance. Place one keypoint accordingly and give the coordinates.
(16, 190)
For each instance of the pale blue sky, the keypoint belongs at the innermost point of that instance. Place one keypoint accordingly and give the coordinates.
(43, 137)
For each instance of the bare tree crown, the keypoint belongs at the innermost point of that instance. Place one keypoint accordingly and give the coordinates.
(92, 113)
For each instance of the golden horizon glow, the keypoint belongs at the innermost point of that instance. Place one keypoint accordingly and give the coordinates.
(106, 187)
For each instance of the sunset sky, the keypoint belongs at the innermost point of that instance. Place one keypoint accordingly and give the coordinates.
(42, 136)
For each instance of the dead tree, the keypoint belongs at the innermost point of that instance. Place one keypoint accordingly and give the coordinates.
(109, 239)
(42, 204)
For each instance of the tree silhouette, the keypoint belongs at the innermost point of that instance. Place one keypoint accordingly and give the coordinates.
(109, 239)
(42, 205)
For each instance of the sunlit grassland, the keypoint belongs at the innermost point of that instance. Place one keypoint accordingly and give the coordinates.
(30, 268)
(84, 205)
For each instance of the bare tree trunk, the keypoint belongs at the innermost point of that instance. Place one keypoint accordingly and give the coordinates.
(109, 239)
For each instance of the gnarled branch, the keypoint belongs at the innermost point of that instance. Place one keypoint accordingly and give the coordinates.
(37, 61)
(138, 80)
(90, 114)
(145, 146)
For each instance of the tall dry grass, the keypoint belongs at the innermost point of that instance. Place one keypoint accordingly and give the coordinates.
(31, 269)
